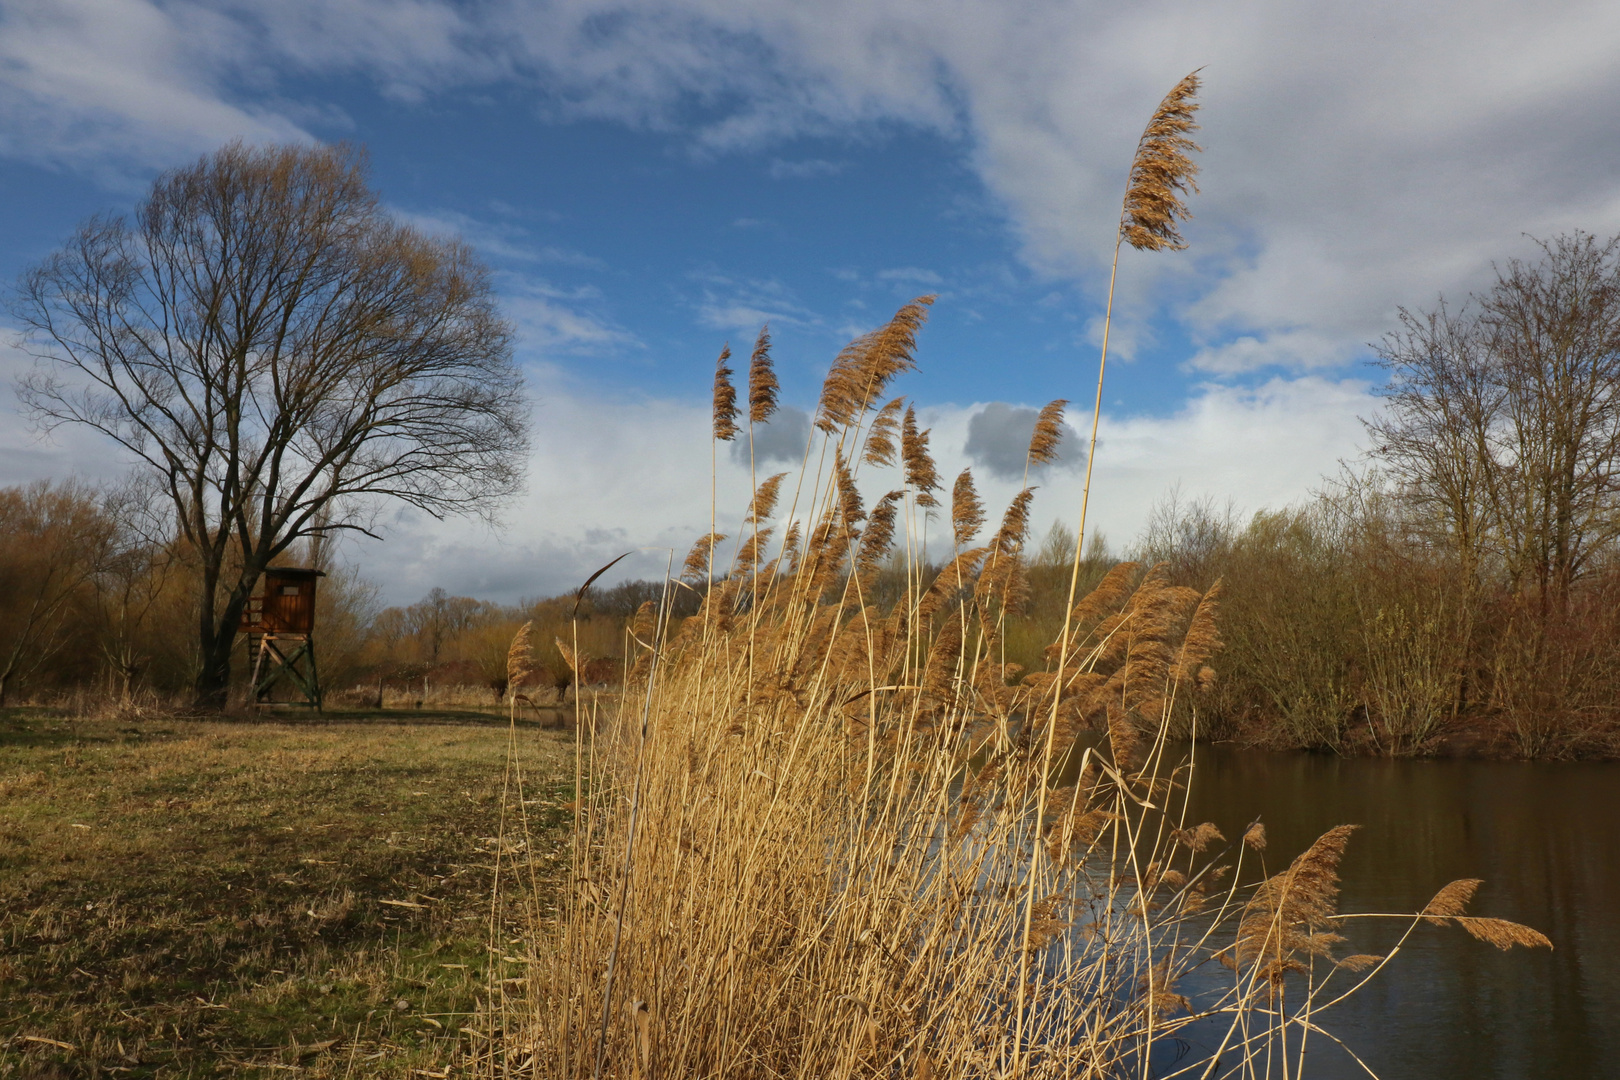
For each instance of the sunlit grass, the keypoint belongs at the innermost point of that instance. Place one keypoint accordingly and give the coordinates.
(181, 898)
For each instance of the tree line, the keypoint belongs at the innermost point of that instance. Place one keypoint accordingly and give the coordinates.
(92, 605)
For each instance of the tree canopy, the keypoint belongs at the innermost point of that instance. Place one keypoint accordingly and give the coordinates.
(283, 356)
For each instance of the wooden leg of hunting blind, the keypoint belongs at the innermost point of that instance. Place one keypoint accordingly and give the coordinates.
(272, 665)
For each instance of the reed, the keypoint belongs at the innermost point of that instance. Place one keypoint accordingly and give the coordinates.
(811, 834)
(827, 836)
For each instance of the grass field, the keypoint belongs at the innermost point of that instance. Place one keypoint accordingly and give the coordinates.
(310, 897)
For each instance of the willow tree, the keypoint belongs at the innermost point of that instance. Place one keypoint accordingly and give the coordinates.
(283, 356)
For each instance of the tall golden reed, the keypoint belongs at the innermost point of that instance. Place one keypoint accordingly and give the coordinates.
(812, 831)
(827, 837)
(1162, 171)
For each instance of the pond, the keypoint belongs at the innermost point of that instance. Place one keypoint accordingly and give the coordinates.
(1546, 840)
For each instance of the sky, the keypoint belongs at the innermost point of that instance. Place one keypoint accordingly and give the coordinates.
(651, 180)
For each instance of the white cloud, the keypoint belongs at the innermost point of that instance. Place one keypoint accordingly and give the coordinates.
(609, 476)
(1284, 348)
(498, 239)
(1259, 447)
(805, 169)
(104, 84)
(552, 321)
(605, 477)
(28, 453)
(742, 307)
(1357, 158)
(613, 475)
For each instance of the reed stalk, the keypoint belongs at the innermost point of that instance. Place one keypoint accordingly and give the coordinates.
(810, 845)
(838, 840)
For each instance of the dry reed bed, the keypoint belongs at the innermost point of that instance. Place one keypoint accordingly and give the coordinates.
(826, 837)
(820, 839)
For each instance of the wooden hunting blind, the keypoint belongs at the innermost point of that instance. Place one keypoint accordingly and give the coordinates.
(280, 626)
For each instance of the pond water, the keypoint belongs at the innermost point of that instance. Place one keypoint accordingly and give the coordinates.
(1546, 840)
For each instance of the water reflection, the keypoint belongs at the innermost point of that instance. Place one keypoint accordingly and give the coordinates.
(1546, 839)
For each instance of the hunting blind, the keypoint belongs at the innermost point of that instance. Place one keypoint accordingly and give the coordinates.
(280, 628)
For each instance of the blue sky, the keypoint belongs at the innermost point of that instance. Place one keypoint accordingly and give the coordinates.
(650, 179)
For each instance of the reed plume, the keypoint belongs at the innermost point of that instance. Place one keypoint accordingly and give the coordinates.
(921, 476)
(851, 511)
(1047, 436)
(519, 657)
(880, 447)
(863, 369)
(1199, 837)
(725, 399)
(762, 385)
(879, 534)
(751, 553)
(1014, 532)
(725, 429)
(1004, 576)
(1162, 172)
(1451, 904)
(1203, 638)
(967, 511)
(573, 658)
(763, 504)
(1283, 922)
(1451, 900)
(697, 562)
(645, 624)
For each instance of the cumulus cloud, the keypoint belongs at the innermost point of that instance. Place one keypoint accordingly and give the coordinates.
(1357, 158)
(998, 440)
(607, 476)
(610, 476)
(781, 440)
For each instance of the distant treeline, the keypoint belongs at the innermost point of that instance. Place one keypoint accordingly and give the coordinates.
(1346, 627)
(95, 600)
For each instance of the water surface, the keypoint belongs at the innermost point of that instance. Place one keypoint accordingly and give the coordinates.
(1546, 840)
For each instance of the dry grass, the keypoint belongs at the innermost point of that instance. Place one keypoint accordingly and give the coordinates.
(824, 837)
(182, 898)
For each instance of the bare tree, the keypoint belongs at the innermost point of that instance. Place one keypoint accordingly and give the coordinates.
(1553, 330)
(1435, 435)
(283, 356)
(137, 565)
(439, 618)
(1503, 419)
(52, 538)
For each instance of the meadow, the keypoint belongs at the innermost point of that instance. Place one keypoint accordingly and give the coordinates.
(271, 897)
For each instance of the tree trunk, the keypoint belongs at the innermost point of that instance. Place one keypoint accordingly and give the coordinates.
(213, 683)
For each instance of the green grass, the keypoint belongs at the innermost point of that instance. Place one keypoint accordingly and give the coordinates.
(190, 899)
